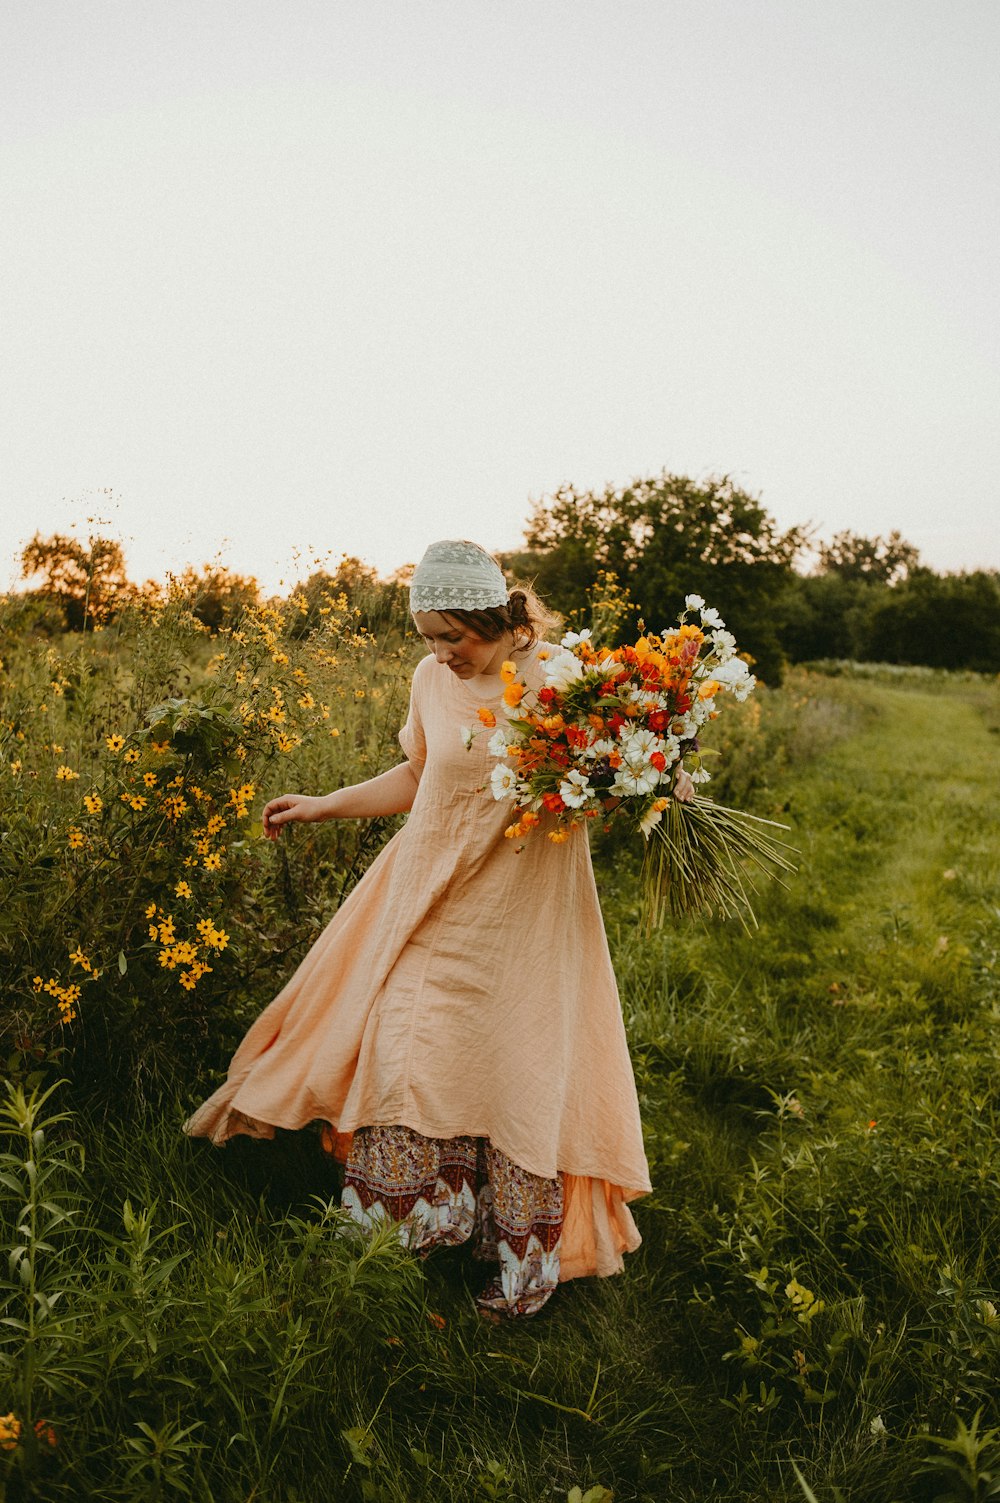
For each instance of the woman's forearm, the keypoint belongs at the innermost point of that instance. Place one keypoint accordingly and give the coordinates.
(391, 792)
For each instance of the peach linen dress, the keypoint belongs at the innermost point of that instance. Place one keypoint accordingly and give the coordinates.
(463, 988)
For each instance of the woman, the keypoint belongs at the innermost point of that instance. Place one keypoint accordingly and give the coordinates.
(457, 1023)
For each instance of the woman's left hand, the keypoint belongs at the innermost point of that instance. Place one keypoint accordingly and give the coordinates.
(683, 788)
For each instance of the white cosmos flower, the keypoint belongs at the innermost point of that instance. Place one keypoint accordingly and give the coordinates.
(711, 617)
(467, 736)
(598, 749)
(650, 820)
(562, 670)
(498, 742)
(633, 781)
(724, 643)
(734, 674)
(693, 603)
(574, 790)
(573, 637)
(638, 744)
(503, 782)
(701, 775)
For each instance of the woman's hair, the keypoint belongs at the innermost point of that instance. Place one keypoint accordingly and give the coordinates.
(524, 615)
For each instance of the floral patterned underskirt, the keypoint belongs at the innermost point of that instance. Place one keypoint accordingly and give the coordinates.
(443, 1191)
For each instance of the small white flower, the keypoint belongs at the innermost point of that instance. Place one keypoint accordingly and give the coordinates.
(575, 790)
(650, 820)
(632, 781)
(877, 1427)
(562, 670)
(468, 736)
(724, 644)
(700, 775)
(693, 603)
(711, 617)
(573, 637)
(503, 782)
(598, 749)
(638, 744)
(499, 742)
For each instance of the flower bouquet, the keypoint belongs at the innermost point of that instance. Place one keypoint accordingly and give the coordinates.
(604, 737)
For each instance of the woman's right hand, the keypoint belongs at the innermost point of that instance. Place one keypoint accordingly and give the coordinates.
(288, 808)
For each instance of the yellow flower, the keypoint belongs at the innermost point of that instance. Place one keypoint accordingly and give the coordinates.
(79, 958)
(508, 672)
(558, 836)
(132, 755)
(212, 861)
(215, 824)
(183, 890)
(149, 778)
(93, 803)
(77, 839)
(513, 694)
(150, 910)
(15, 766)
(66, 774)
(114, 743)
(174, 806)
(10, 1431)
(334, 731)
(137, 801)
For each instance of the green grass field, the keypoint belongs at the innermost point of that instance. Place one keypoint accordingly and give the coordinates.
(814, 1312)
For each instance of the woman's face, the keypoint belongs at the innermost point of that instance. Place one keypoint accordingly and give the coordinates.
(458, 648)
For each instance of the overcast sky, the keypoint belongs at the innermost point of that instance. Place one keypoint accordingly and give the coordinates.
(321, 277)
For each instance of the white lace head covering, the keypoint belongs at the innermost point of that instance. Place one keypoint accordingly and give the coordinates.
(455, 575)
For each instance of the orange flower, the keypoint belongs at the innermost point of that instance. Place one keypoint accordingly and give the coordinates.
(558, 836)
(488, 718)
(708, 690)
(513, 694)
(529, 819)
(553, 802)
(508, 672)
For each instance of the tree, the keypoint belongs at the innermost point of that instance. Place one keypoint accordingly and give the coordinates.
(875, 560)
(664, 538)
(215, 595)
(85, 580)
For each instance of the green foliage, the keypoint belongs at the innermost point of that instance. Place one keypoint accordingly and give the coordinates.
(136, 893)
(813, 1311)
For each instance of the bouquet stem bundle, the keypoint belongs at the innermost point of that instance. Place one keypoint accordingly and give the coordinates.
(700, 858)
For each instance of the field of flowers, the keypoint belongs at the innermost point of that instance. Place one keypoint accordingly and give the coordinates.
(814, 1310)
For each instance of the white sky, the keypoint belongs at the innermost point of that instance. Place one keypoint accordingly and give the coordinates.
(309, 277)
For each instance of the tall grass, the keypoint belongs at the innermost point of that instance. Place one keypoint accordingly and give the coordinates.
(814, 1309)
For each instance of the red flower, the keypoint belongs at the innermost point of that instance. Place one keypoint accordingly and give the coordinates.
(546, 695)
(615, 724)
(553, 802)
(658, 760)
(683, 703)
(658, 721)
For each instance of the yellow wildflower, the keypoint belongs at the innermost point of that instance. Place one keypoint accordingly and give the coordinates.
(93, 803)
(137, 801)
(66, 774)
(10, 1431)
(150, 910)
(149, 778)
(183, 890)
(508, 672)
(77, 839)
(213, 861)
(558, 836)
(114, 743)
(132, 755)
(79, 958)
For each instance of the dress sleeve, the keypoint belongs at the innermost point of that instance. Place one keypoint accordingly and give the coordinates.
(411, 737)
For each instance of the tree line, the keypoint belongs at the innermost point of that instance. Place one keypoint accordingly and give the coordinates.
(865, 598)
